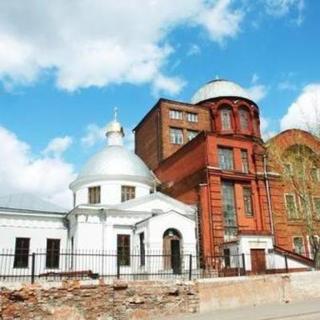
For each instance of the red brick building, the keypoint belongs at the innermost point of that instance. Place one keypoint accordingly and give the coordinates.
(210, 153)
(296, 213)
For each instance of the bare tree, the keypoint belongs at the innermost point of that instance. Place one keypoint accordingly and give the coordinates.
(298, 164)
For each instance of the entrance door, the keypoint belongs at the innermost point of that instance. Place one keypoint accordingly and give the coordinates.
(258, 261)
(175, 256)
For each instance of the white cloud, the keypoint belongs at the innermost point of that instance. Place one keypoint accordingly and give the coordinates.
(95, 135)
(220, 20)
(57, 146)
(255, 78)
(266, 131)
(257, 92)
(287, 85)
(165, 84)
(21, 171)
(194, 50)
(280, 8)
(304, 112)
(94, 43)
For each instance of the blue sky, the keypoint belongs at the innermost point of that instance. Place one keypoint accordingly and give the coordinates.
(64, 65)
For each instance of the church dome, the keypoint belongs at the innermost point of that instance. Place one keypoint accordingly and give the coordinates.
(114, 163)
(218, 89)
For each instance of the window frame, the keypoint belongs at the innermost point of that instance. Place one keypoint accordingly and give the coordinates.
(230, 161)
(245, 201)
(128, 193)
(244, 166)
(192, 131)
(173, 114)
(315, 177)
(94, 195)
(142, 249)
(53, 254)
(21, 253)
(242, 112)
(294, 247)
(288, 168)
(123, 250)
(174, 137)
(317, 213)
(192, 117)
(296, 215)
(226, 110)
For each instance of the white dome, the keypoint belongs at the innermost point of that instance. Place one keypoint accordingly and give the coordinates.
(114, 163)
(219, 88)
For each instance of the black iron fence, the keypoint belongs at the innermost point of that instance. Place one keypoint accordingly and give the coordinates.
(43, 266)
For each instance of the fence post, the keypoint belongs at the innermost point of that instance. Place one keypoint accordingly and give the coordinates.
(244, 263)
(286, 263)
(33, 260)
(118, 267)
(190, 267)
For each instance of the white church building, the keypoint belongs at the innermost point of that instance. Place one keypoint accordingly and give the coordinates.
(117, 211)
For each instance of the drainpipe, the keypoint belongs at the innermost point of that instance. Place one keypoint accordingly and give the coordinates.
(266, 180)
(197, 220)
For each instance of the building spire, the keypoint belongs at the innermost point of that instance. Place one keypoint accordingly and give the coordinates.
(115, 113)
(115, 131)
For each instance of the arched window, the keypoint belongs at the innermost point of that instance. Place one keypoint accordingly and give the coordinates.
(256, 125)
(244, 119)
(225, 114)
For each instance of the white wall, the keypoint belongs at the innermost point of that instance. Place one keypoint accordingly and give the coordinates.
(110, 191)
(37, 228)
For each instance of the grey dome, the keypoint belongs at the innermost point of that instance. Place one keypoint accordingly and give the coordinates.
(219, 89)
(114, 163)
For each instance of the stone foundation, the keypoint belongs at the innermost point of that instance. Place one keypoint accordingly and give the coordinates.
(75, 300)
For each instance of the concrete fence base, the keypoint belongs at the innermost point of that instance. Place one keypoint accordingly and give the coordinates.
(226, 293)
(133, 300)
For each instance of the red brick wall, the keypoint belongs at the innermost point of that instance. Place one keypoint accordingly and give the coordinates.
(147, 142)
(286, 229)
(192, 175)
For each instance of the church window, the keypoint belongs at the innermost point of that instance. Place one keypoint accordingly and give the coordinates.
(256, 125)
(53, 253)
(244, 161)
(247, 201)
(94, 195)
(175, 114)
(226, 119)
(287, 169)
(192, 117)
(142, 249)
(227, 260)
(127, 193)
(176, 136)
(21, 255)
(291, 206)
(191, 134)
(316, 206)
(225, 158)
(229, 211)
(244, 119)
(298, 245)
(123, 249)
(315, 174)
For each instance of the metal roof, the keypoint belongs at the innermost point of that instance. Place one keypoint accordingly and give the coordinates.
(114, 163)
(218, 89)
(30, 202)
